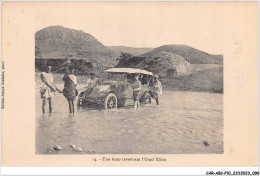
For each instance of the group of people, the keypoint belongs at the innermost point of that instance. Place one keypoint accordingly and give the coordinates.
(48, 88)
(155, 89)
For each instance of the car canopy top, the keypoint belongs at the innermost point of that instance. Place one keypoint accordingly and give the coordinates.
(128, 70)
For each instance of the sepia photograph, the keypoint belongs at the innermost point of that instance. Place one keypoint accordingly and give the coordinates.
(97, 99)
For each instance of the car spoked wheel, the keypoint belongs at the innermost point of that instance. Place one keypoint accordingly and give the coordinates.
(147, 99)
(110, 101)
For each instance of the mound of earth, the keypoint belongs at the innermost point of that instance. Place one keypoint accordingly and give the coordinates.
(164, 64)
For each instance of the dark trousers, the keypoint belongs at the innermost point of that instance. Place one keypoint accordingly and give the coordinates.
(154, 96)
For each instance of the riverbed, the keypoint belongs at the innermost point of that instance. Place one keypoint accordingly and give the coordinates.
(183, 123)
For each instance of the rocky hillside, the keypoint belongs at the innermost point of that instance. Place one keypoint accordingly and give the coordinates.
(179, 67)
(192, 55)
(177, 73)
(164, 64)
(130, 50)
(60, 42)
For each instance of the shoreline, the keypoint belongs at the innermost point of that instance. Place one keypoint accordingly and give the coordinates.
(82, 79)
(195, 90)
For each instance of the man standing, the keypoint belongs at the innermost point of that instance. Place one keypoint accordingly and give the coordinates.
(136, 93)
(91, 84)
(156, 89)
(70, 90)
(47, 88)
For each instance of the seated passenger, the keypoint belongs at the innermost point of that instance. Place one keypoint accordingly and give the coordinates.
(125, 79)
(91, 84)
(141, 79)
(111, 77)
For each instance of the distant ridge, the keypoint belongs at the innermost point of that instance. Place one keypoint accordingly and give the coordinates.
(194, 56)
(61, 42)
(130, 50)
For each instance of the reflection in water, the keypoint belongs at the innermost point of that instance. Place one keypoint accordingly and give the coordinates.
(180, 124)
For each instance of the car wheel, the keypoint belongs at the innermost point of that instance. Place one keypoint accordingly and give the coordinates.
(147, 99)
(110, 101)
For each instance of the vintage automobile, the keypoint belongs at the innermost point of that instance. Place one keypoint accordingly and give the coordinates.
(114, 91)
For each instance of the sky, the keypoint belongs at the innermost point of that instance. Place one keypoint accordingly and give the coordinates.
(143, 24)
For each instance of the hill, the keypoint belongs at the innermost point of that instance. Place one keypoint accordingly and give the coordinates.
(176, 73)
(130, 50)
(61, 42)
(164, 64)
(192, 55)
(178, 66)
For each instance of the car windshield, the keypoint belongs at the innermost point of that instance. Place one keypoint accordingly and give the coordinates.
(115, 76)
(126, 78)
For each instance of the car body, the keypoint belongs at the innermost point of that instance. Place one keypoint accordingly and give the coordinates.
(114, 91)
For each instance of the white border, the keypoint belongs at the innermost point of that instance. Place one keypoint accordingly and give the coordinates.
(127, 170)
(119, 170)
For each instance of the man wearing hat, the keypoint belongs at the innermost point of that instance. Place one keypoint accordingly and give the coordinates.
(156, 88)
(91, 84)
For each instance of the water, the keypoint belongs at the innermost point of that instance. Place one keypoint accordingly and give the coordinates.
(181, 124)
